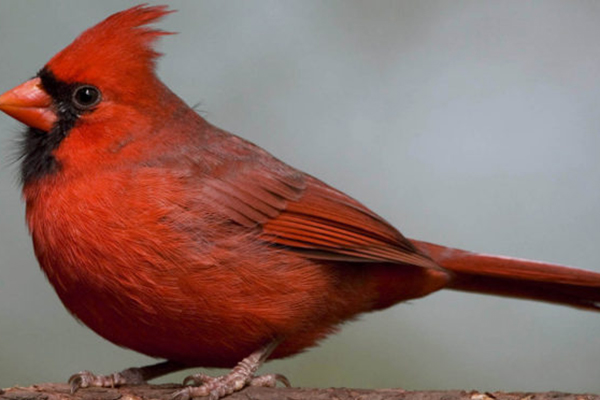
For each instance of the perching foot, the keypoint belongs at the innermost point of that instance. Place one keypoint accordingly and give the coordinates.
(84, 379)
(241, 376)
(130, 376)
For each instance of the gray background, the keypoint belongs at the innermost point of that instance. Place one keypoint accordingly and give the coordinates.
(469, 123)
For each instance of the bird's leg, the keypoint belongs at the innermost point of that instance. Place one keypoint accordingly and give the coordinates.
(241, 375)
(130, 376)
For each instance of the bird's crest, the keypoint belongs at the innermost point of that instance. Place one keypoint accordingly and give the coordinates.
(123, 42)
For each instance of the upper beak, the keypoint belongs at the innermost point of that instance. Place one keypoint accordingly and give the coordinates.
(30, 104)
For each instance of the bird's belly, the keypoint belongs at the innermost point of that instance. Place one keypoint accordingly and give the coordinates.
(209, 314)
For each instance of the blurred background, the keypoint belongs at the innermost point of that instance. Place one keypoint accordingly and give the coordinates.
(469, 123)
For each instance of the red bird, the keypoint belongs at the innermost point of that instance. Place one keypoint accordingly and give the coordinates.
(174, 238)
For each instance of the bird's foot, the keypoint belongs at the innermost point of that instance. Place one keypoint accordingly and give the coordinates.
(216, 387)
(130, 376)
(241, 376)
(83, 379)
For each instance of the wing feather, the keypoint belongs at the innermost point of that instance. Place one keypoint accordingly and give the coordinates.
(300, 213)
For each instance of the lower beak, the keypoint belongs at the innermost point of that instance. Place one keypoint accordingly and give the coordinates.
(30, 104)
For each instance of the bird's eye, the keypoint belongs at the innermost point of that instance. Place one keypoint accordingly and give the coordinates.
(86, 97)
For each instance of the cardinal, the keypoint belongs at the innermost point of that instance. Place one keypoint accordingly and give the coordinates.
(169, 236)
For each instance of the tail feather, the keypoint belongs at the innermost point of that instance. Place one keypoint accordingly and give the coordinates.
(515, 277)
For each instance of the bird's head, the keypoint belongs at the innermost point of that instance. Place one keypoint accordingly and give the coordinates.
(92, 93)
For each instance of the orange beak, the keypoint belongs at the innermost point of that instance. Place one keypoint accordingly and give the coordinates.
(30, 104)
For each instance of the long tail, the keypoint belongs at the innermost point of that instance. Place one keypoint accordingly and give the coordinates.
(515, 277)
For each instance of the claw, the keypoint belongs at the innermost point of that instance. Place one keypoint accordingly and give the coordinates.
(269, 380)
(75, 382)
(183, 394)
(197, 379)
(283, 379)
(82, 379)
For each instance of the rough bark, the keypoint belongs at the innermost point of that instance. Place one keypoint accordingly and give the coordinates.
(56, 391)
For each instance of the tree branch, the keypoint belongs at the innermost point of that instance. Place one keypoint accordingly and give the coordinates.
(59, 391)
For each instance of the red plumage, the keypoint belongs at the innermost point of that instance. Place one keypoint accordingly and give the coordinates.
(169, 236)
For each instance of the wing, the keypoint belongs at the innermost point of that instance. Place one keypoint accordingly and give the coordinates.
(300, 213)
